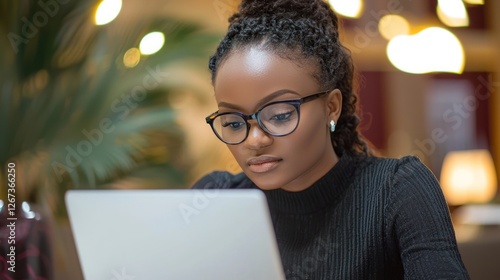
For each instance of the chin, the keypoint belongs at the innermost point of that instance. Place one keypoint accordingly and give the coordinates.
(267, 187)
(264, 182)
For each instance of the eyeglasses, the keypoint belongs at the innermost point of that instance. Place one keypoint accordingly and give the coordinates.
(278, 118)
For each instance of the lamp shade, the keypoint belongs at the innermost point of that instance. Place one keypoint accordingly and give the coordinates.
(468, 177)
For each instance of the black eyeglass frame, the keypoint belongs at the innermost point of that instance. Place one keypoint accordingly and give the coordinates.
(256, 116)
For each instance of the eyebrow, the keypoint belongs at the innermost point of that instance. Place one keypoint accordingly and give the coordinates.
(261, 102)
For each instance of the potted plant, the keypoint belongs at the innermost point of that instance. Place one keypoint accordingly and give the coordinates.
(77, 111)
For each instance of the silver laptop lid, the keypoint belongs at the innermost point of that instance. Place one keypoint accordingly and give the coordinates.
(174, 234)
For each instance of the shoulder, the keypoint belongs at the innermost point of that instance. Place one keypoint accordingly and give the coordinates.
(392, 177)
(405, 183)
(410, 169)
(394, 168)
(223, 180)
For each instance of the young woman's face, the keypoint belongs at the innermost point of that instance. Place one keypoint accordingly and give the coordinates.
(248, 80)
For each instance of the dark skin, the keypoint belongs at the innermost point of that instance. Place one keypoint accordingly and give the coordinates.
(251, 78)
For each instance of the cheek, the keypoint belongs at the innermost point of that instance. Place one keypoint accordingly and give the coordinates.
(310, 138)
(238, 154)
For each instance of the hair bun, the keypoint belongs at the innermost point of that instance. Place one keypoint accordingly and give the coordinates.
(317, 10)
(255, 8)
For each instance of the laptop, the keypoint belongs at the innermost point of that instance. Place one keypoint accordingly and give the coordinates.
(173, 234)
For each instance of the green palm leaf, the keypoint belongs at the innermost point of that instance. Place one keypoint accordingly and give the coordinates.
(72, 115)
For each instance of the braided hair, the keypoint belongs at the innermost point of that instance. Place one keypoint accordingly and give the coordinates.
(301, 31)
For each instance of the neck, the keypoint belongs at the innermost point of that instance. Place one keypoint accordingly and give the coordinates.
(313, 173)
(319, 194)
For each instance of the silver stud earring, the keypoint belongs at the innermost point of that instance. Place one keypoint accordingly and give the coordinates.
(332, 125)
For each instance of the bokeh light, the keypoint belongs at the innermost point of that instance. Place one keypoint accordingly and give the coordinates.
(131, 58)
(152, 43)
(452, 13)
(474, 2)
(107, 11)
(391, 26)
(351, 8)
(434, 49)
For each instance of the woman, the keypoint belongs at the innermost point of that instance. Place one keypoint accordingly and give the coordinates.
(287, 111)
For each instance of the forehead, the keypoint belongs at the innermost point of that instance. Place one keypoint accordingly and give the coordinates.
(250, 74)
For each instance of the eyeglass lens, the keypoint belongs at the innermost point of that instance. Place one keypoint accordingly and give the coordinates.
(276, 119)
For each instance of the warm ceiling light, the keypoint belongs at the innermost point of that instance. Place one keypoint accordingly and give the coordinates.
(347, 8)
(107, 11)
(474, 2)
(432, 50)
(391, 26)
(151, 43)
(452, 13)
(468, 177)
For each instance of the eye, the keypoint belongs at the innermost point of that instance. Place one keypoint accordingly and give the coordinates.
(282, 117)
(278, 114)
(233, 125)
(232, 122)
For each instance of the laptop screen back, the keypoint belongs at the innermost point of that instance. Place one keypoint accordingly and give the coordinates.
(173, 234)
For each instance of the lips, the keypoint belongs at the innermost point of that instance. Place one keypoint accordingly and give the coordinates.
(263, 164)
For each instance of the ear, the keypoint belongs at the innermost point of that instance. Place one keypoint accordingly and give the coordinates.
(334, 105)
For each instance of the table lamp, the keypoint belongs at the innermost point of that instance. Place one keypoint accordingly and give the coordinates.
(468, 177)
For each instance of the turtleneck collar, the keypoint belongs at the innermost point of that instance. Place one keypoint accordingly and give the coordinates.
(322, 193)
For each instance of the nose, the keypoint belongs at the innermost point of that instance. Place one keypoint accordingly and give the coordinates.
(257, 138)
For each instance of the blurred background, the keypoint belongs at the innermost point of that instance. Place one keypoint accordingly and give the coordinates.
(112, 95)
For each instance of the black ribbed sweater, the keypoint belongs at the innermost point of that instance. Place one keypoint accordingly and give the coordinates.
(367, 218)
